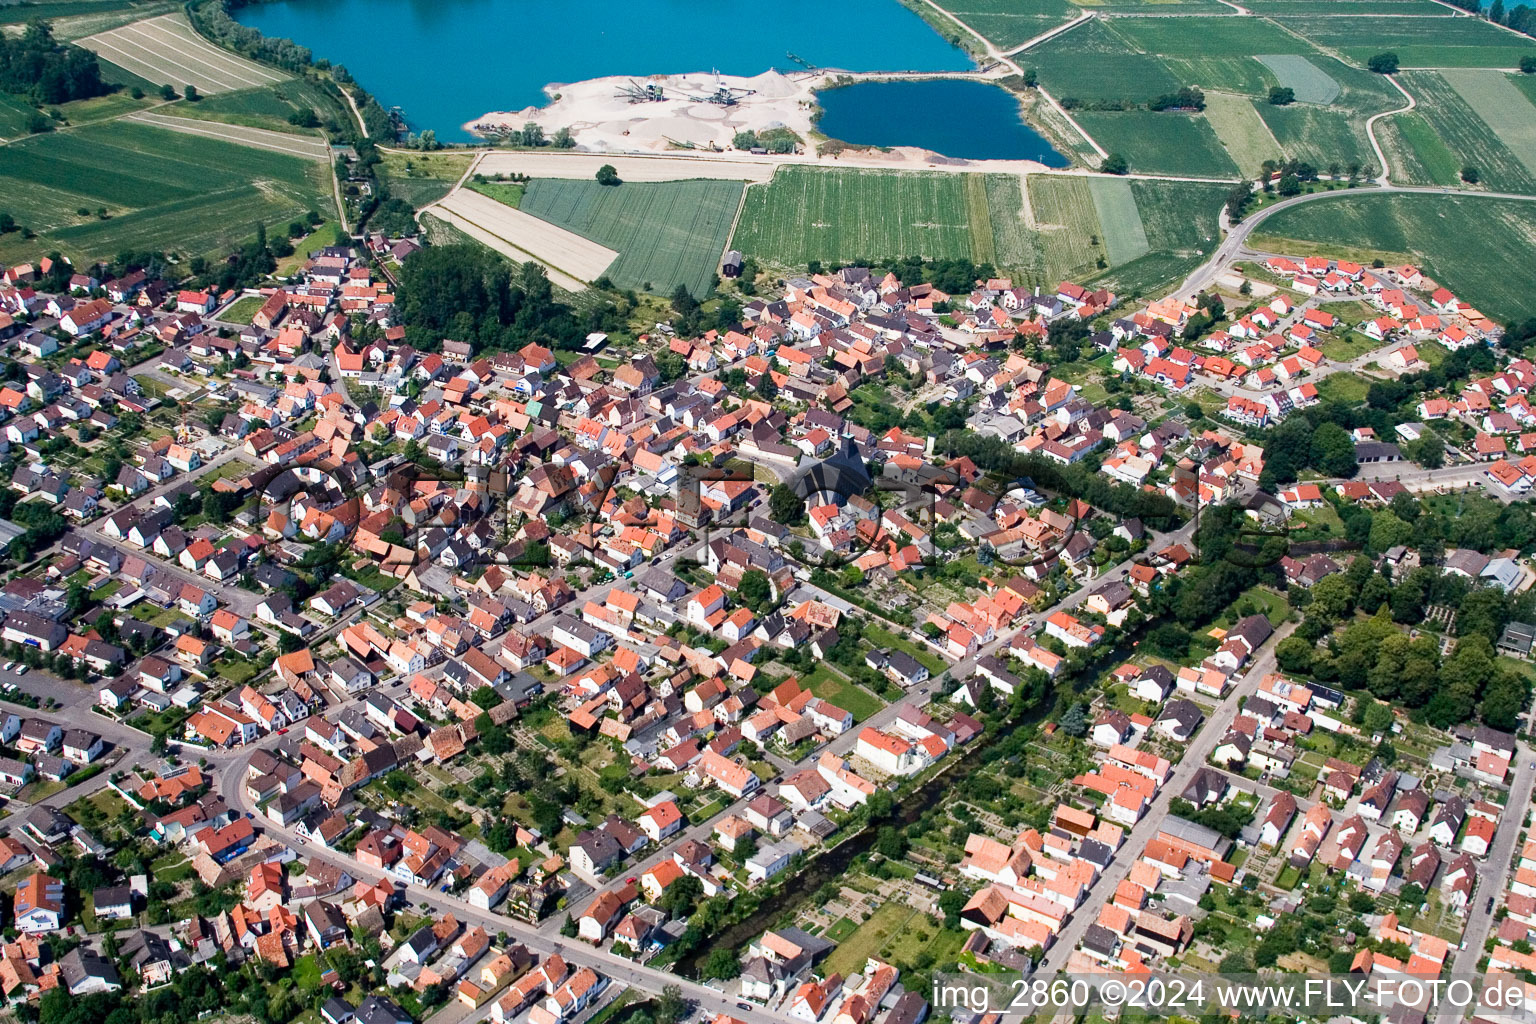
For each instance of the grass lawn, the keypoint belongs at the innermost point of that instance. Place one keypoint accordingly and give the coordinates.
(42, 789)
(328, 233)
(898, 935)
(236, 670)
(829, 684)
(242, 309)
(306, 972)
(881, 637)
(509, 193)
(1343, 387)
(1346, 346)
(840, 930)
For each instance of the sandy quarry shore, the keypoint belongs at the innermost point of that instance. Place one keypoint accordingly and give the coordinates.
(603, 119)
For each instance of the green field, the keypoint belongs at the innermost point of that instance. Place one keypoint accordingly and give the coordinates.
(161, 190)
(850, 216)
(1432, 231)
(1241, 131)
(1311, 83)
(1466, 134)
(21, 12)
(266, 107)
(1503, 108)
(1294, 8)
(808, 213)
(1203, 37)
(1179, 218)
(1009, 23)
(1091, 63)
(666, 233)
(1160, 143)
(15, 112)
(1067, 223)
(1114, 201)
(422, 178)
(1013, 243)
(1432, 42)
(1417, 154)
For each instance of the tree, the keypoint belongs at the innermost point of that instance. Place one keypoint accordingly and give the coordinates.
(7, 223)
(531, 135)
(485, 697)
(671, 1007)
(1294, 655)
(1074, 722)
(755, 591)
(679, 898)
(607, 175)
(1282, 95)
(167, 92)
(1114, 163)
(1428, 451)
(1383, 63)
(190, 92)
(1333, 451)
(721, 964)
(784, 505)
(1470, 175)
(1528, 65)
(1290, 185)
(1496, 12)
(951, 903)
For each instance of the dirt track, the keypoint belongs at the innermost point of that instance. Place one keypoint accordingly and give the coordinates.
(573, 261)
(630, 168)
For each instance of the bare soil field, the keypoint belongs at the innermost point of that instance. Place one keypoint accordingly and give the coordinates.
(167, 50)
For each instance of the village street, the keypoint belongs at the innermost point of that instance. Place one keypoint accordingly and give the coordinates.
(1194, 756)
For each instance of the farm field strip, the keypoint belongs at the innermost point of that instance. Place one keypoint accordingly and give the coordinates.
(575, 257)
(1013, 242)
(1067, 219)
(305, 146)
(1418, 41)
(1502, 107)
(983, 240)
(808, 213)
(1160, 143)
(160, 51)
(1466, 134)
(666, 233)
(1310, 82)
(1125, 237)
(1418, 155)
(1242, 131)
(1346, 8)
(1007, 23)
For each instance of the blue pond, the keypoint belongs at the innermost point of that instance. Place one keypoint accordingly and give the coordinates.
(963, 119)
(446, 62)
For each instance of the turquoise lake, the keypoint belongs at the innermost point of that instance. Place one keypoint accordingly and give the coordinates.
(446, 63)
(962, 119)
